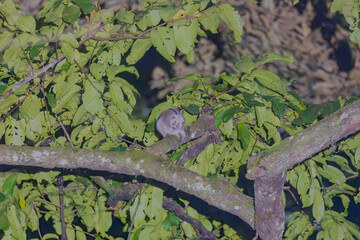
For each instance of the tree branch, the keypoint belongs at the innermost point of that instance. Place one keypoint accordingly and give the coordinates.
(269, 168)
(217, 192)
(306, 143)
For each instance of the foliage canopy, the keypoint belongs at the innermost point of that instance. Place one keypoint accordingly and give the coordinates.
(61, 74)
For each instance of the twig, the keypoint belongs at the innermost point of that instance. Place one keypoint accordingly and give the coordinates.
(45, 68)
(38, 214)
(60, 182)
(179, 211)
(45, 101)
(287, 188)
(78, 188)
(118, 38)
(131, 143)
(65, 131)
(348, 178)
(87, 77)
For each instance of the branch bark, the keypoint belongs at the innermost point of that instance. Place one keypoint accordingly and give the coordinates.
(306, 143)
(217, 192)
(268, 169)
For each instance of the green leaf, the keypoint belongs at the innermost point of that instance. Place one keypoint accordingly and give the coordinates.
(27, 23)
(337, 5)
(246, 64)
(330, 108)
(80, 235)
(8, 10)
(14, 134)
(9, 184)
(126, 126)
(318, 206)
(103, 218)
(103, 16)
(323, 235)
(192, 109)
(229, 113)
(98, 70)
(303, 183)
(153, 18)
(138, 50)
(111, 128)
(310, 114)
(4, 222)
(113, 70)
(50, 236)
(297, 223)
(342, 162)
(269, 80)
(163, 40)
(69, 52)
(71, 14)
(210, 20)
(219, 118)
(250, 100)
(51, 100)
(5, 105)
(65, 99)
(16, 218)
(92, 98)
(116, 55)
(85, 5)
(333, 174)
(170, 220)
(156, 202)
(185, 35)
(2, 130)
(232, 18)
(5, 39)
(125, 16)
(278, 107)
(123, 45)
(35, 50)
(232, 79)
(336, 231)
(30, 108)
(264, 115)
(272, 57)
(70, 39)
(243, 135)
(345, 201)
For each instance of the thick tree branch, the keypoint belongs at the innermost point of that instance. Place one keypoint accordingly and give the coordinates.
(306, 143)
(217, 192)
(269, 168)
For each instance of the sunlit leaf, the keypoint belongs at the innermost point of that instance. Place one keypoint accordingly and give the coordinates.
(269, 80)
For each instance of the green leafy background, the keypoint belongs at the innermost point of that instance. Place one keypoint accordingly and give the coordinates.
(88, 93)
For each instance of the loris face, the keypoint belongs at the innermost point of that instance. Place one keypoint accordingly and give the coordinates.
(177, 122)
